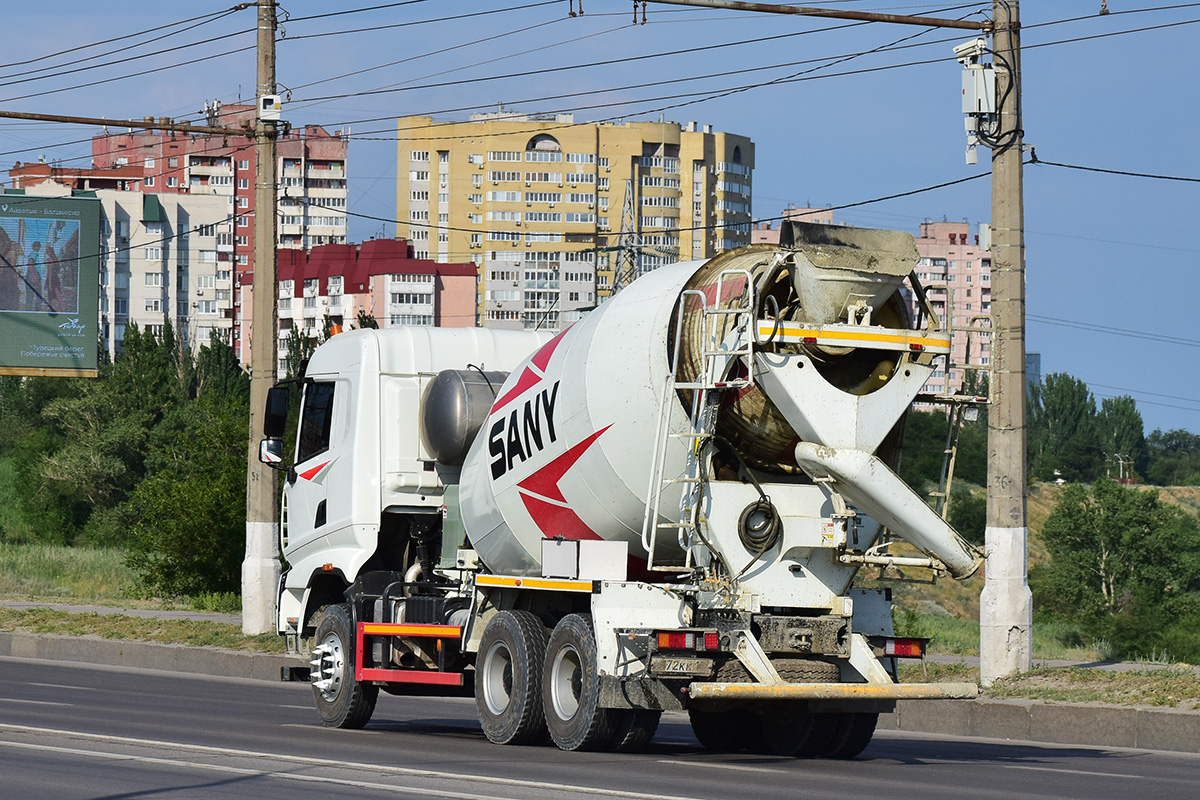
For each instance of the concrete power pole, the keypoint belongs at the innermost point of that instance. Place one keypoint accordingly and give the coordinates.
(260, 568)
(1006, 606)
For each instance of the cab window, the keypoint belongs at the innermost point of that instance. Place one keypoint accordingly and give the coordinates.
(316, 421)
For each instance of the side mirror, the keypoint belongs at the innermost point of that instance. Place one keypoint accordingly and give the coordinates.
(275, 420)
(270, 452)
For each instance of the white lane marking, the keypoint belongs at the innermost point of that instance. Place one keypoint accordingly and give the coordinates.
(720, 766)
(172, 762)
(32, 702)
(62, 686)
(302, 708)
(1077, 772)
(323, 762)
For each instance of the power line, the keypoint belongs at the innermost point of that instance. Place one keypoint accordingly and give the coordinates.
(1088, 326)
(412, 23)
(140, 74)
(68, 51)
(6, 82)
(1033, 159)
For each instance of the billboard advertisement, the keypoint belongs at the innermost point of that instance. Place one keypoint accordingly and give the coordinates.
(49, 285)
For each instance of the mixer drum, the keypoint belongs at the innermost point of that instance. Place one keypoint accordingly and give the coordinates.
(748, 419)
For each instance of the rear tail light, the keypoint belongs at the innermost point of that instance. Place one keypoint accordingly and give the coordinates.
(688, 640)
(675, 640)
(904, 648)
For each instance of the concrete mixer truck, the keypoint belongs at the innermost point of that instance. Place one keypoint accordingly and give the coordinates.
(661, 508)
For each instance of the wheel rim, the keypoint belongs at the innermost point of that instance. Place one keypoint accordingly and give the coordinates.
(565, 682)
(329, 662)
(497, 678)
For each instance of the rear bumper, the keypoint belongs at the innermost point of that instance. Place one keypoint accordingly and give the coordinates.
(703, 691)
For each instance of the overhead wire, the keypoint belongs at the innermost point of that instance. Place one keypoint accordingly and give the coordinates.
(123, 37)
(4, 79)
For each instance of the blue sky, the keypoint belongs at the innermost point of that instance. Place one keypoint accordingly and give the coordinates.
(1111, 259)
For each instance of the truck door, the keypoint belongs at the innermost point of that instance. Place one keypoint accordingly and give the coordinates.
(307, 491)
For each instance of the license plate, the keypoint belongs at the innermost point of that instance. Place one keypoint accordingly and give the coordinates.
(681, 666)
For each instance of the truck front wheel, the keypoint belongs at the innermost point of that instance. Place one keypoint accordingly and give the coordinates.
(342, 702)
(508, 679)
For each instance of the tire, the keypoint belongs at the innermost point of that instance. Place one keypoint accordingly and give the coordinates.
(718, 731)
(508, 679)
(787, 728)
(633, 729)
(842, 735)
(342, 702)
(849, 734)
(571, 688)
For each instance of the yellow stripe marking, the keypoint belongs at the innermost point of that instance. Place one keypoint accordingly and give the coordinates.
(533, 583)
(830, 336)
(400, 629)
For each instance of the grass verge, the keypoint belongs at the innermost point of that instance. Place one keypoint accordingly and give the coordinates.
(1168, 687)
(193, 633)
(74, 574)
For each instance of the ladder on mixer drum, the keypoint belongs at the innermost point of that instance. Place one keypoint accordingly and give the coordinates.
(718, 353)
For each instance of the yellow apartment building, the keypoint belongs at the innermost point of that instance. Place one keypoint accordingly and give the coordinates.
(552, 211)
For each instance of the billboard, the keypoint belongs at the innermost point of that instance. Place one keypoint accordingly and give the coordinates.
(49, 285)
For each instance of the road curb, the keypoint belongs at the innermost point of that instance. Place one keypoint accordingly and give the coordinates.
(1055, 723)
(146, 655)
(1017, 720)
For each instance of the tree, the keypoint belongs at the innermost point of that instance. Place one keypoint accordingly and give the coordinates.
(298, 348)
(1173, 458)
(1111, 545)
(1062, 429)
(187, 517)
(1120, 435)
(366, 320)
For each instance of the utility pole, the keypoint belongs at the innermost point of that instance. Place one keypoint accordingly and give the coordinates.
(1006, 605)
(260, 568)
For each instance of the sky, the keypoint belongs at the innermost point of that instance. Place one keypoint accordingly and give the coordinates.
(840, 113)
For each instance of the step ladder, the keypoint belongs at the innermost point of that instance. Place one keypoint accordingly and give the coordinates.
(718, 354)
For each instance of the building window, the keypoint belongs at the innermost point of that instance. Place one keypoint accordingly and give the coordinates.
(243, 202)
(172, 181)
(244, 164)
(122, 305)
(243, 183)
(153, 304)
(149, 180)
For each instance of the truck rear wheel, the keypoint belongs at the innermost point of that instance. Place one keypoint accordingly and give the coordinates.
(634, 728)
(508, 679)
(842, 735)
(571, 688)
(342, 702)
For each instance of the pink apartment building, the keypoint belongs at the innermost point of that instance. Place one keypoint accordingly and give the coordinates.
(379, 277)
(956, 273)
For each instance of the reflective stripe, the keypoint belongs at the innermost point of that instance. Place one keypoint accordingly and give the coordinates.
(862, 337)
(533, 583)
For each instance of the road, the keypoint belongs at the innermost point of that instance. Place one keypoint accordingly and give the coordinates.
(71, 732)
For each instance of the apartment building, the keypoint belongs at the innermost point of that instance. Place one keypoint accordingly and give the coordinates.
(540, 204)
(957, 275)
(159, 264)
(378, 277)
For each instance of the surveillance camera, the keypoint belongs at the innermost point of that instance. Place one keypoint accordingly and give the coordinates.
(969, 53)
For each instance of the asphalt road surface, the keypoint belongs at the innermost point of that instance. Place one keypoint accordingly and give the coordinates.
(71, 732)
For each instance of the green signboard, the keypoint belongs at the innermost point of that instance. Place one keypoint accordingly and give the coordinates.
(49, 285)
